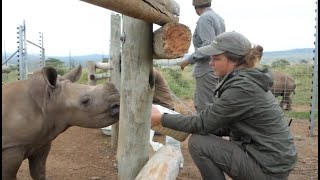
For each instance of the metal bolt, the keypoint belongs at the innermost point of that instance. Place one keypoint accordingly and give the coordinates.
(123, 37)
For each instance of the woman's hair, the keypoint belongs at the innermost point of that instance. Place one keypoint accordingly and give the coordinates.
(250, 60)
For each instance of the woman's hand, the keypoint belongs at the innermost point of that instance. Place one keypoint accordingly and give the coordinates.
(155, 116)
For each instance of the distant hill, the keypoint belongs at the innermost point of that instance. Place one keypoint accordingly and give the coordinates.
(33, 59)
(81, 59)
(293, 55)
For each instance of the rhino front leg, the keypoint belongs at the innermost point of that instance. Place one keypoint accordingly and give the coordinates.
(37, 163)
(11, 161)
(283, 104)
(286, 101)
(289, 102)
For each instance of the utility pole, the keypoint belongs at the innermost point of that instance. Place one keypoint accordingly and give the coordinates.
(69, 59)
(4, 48)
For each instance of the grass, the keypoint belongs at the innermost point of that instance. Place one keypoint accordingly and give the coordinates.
(300, 115)
(10, 77)
(180, 82)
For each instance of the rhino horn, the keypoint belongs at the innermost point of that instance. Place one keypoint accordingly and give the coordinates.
(50, 76)
(74, 75)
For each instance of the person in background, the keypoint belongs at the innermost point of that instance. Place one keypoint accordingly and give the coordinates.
(209, 25)
(261, 145)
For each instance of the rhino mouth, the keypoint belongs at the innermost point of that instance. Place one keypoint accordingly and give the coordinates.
(114, 109)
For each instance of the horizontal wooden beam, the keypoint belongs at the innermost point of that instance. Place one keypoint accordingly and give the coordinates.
(152, 11)
(164, 164)
(95, 77)
(6, 69)
(104, 66)
(171, 41)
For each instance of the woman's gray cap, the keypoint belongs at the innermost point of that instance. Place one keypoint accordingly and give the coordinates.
(232, 42)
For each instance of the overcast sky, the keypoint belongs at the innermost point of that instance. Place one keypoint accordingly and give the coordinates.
(81, 28)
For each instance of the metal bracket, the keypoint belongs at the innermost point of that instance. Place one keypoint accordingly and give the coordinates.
(123, 37)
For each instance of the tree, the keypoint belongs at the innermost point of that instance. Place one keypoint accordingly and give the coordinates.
(54, 62)
(280, 63)
(105, 60)
(58, 64)
(265, 66)
(303, 61)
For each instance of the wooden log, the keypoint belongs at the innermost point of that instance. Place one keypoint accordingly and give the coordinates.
(95, 77)
(164, 164)
(91, 70)
(171, 41)
(147, 10)
(171, 5)
(6, 69)
(136, 96)
(103, 66)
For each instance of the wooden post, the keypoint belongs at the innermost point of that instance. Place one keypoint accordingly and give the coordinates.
(115, 52)
(91, 70)
(135, 97)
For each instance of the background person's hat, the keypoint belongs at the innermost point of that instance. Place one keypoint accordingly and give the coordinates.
(232, 42)
(200, 3)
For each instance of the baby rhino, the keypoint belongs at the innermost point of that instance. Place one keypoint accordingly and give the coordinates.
(35, 111)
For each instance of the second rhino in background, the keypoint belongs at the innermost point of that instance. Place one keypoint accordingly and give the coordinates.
(283, 85)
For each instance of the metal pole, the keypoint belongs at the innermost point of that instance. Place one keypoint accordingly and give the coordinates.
(42, 61)
(10, 57)
(21, 57)
(69, 59)
(34, 44)
(4, 47)
(40, 44)
(315, 78)
(25, 54)
(189, 109)
(43, 52)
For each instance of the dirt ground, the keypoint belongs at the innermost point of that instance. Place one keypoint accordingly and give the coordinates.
(86, 154)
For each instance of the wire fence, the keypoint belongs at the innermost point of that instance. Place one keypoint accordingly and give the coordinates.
(182, 85)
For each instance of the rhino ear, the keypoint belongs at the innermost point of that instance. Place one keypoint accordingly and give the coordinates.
(50, 76)
(74, 75)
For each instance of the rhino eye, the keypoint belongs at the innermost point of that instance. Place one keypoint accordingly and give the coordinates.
(85, 101)
(114, 109)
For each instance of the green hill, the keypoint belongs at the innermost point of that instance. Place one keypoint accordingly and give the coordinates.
(293, 55)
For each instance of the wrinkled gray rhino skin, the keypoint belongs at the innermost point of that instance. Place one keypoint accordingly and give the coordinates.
(35, 111)
(283, 85)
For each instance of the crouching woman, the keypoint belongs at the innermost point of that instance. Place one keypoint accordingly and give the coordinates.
(261, 145)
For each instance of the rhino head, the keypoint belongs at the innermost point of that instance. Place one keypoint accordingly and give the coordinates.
(78, 104)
